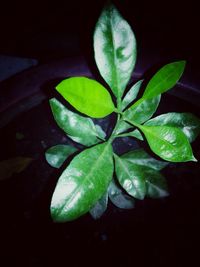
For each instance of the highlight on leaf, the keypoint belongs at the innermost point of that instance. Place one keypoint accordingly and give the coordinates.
(56, 155)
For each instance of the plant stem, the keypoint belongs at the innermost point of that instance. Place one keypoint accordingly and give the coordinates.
(112, 136)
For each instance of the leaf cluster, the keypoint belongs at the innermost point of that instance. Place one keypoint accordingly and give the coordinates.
(97, 173)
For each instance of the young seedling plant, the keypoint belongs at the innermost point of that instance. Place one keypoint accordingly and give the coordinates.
(97, 173)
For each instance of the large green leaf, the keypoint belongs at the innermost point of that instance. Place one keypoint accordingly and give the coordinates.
(140, 157)
(100, 207)
(119, 198)
(164, 79)
(87, 96)
(79, 128)
(131, 177)
(56, 155)
(131, 94)
(169, 143)
(83, 183)
(187, 122)
(139, 112)
(156, 185)
(115, 49)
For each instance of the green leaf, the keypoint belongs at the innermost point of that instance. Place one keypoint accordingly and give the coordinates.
(139, 112)
(87, 96)
(156, 185)
(169, 143)
(100, 132)
(13, 165)
(100, 207)
(56, 155)
(142, 110)
(140, 157)
(115, 49)
(131, 177)
(82, 183)
(136, 133)
(119, 198)
(131, 94)
(78, 128)
(164, 79)
(187, 122)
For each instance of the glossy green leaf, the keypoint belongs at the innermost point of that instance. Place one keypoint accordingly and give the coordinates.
(142, 110)
(187, 122)
(139, 112)
(119, 198)
(100, 132)
(87, 96)
(100, 207)
(169, 143)
(79, 128)
(131, 177)
(82, 183)
(164, 79)
(156, 185)
(56, 155)
(115, 49)
(131, 94)
(136, 134)
(13, 165)
(142, 158)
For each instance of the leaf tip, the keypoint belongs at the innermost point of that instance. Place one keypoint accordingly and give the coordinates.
(194, 159)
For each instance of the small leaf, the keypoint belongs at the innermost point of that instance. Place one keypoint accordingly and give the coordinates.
(140, 157)
(56, 155)
(142, 110)
(100, 207)
(156, 185)
(100, 132)
(136, 133)
(187, 122)
(139, 112)
(131, 94)
(82, 183)
(115, 49)
(131, 177)
(87, 96)
(164, 79)
(13, 165)
(78, 128)
(169, 143)
(119, 198)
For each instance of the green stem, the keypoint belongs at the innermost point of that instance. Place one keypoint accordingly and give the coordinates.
(119, 104)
